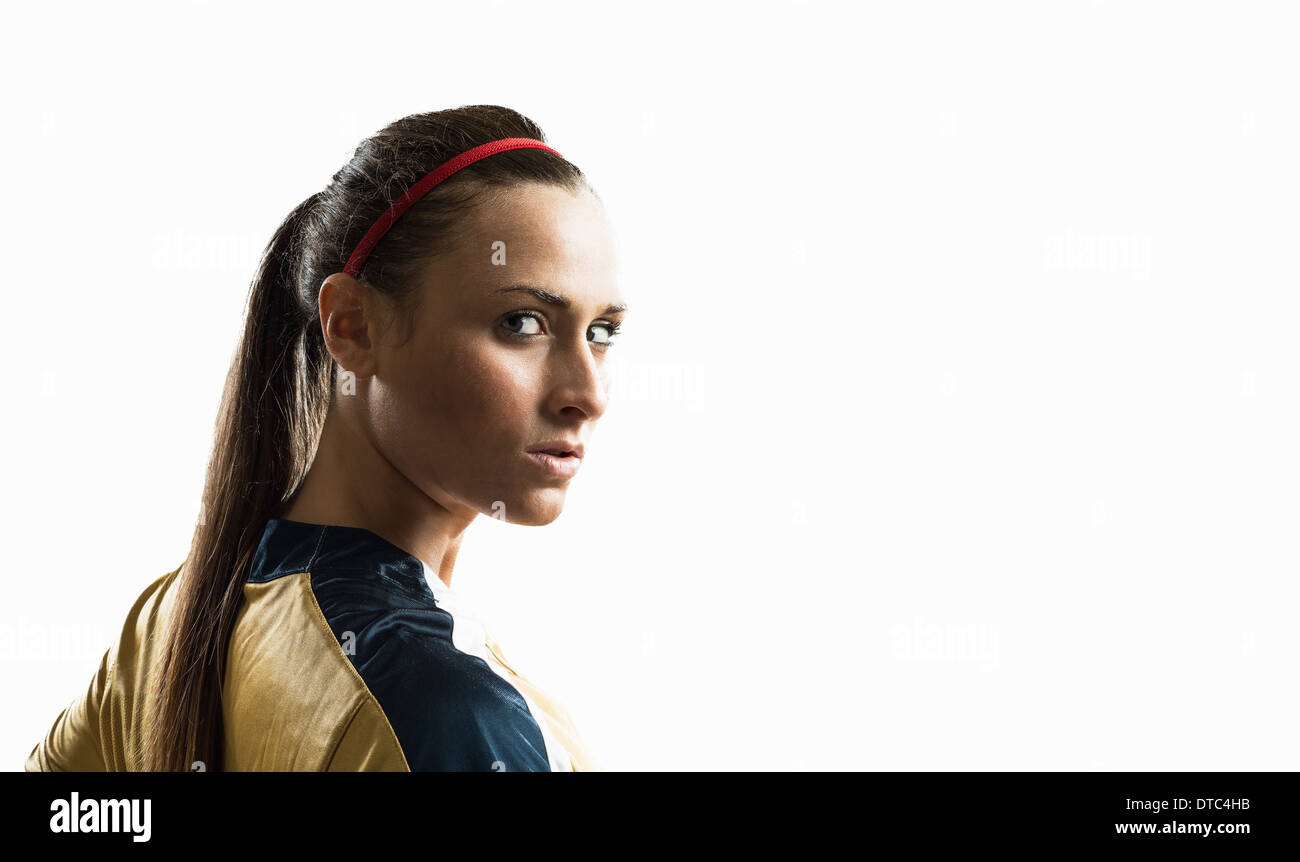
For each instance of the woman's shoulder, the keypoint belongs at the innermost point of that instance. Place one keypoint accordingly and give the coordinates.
(447, 708)
(136, 651)
(343, 644)
(345, 672)
(103, 729)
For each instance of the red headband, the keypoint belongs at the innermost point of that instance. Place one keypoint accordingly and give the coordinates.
(420, 189)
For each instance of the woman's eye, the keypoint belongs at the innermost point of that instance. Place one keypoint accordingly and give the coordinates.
(527, 324)
(535, 328)
(607, 330)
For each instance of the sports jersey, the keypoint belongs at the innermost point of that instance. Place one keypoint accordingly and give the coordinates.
(348, 653)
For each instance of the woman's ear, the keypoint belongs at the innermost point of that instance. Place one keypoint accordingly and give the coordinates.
(349, 323)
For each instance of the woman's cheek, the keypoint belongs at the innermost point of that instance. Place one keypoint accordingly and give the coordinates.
(500, 377)
(499, 393)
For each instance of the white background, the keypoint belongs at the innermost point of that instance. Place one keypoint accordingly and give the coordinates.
(956, 424)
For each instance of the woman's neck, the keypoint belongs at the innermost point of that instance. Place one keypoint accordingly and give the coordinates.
(351, 484)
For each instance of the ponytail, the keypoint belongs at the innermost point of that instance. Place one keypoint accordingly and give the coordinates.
(273, 405)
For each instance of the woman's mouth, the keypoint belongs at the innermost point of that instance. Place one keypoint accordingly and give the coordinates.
(558, 463)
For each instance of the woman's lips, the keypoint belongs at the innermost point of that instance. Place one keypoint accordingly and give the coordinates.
(560, 466)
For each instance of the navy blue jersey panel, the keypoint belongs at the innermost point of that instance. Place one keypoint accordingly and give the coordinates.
(284, 550)
(450, 711)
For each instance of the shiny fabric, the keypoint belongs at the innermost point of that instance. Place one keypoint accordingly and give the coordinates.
(348, 654)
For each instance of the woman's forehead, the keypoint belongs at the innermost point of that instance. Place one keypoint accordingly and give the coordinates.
(541, 238)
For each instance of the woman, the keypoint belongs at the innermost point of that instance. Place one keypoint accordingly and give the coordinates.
(426, 342)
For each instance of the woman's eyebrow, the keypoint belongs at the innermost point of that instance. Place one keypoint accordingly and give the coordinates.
(552, 298)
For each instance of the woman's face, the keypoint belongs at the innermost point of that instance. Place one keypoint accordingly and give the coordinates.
(492, 368)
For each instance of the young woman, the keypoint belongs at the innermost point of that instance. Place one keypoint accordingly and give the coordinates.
(426, 341)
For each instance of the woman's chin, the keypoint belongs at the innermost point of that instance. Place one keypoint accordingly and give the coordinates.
(535, 509)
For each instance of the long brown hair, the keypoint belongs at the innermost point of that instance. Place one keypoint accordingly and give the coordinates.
(281, 381)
